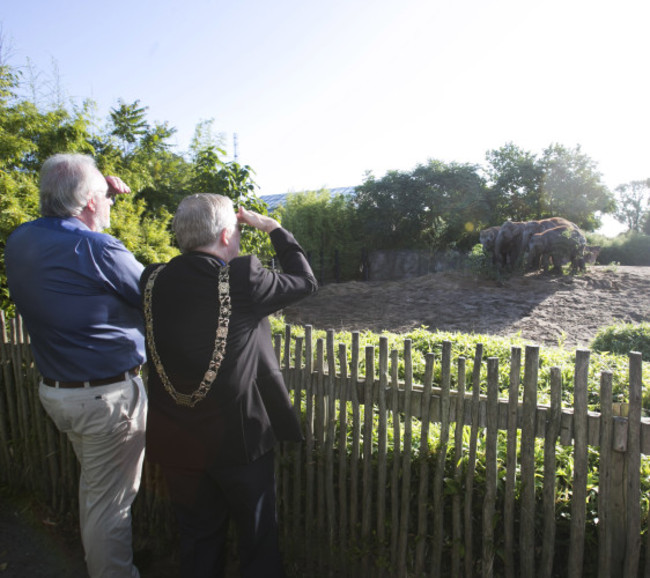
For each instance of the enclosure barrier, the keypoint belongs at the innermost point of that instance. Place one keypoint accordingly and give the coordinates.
(397, 478)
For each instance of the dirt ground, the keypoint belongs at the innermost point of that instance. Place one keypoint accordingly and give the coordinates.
(544, 308)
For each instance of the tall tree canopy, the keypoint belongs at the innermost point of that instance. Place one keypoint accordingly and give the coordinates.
(633, 204)
(515, 191)
(572, 187)
(563, 182)
(435, 205)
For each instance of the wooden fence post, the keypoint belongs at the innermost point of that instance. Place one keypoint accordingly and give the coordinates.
(367, 475)
(553, 423)
(489, 501)
(511, 464)
(527, 510)
(343, 462)
(632, 470)
(471, 461)
(439, 473)
(397, 453)
(402, 561)
(580, 465)
(423, 490)
(605, 478)
(330, 416)
(457, 521)
(382, 442)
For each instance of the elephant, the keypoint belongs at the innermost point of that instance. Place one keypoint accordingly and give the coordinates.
(561, 244)
(487, 238)
(534, 227)
(507, 245)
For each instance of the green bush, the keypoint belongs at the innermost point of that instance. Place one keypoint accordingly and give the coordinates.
(328, 230)
(464, 344)
(628, 249)
(622, 338)
(480, 263)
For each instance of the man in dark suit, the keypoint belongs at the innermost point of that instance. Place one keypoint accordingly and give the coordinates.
(217, 400)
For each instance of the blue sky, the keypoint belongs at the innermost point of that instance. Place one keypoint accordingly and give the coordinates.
(321, 92)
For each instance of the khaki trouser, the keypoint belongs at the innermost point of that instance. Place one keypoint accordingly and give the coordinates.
(106, 425)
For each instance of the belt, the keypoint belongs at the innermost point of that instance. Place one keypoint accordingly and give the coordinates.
(92, 382)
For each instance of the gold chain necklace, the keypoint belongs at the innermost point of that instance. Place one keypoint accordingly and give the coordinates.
(191, 399)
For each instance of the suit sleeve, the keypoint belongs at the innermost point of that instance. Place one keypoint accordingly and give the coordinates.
(270, 290)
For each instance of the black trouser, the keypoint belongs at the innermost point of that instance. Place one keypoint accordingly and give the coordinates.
(204, 501)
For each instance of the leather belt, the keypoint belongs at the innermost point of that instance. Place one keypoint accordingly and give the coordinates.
(92, 382)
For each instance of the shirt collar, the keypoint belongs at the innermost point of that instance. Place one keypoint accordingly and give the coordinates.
(67, 223)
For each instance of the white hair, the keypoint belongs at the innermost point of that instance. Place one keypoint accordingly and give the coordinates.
(67, 183)
(200, 219)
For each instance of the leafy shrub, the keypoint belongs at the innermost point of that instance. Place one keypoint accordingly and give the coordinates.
(424, 341)
(480, 263)
(328, 230)
(628, 249)
(622, 338)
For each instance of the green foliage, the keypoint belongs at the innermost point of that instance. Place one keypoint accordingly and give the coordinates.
(464, 345)
(439, 206)
(562, 182)
(516, 191)
(633, 204)
(622, 338)
(145, 234)
(626, 249)
(325, 226)
(129, 123)
(434, 207)
(480, 263)
(572, 187)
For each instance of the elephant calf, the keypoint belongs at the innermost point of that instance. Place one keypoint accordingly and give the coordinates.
(561, 244)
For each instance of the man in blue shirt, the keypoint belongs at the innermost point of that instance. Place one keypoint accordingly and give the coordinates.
(77, 291)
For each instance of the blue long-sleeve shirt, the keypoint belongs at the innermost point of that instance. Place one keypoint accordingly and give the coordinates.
(77, 291)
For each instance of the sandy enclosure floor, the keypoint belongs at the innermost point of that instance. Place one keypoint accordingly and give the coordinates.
(542, 307)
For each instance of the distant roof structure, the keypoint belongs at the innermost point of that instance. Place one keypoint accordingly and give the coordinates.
(280, 199)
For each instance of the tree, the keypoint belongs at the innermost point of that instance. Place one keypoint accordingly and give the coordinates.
(147, 235)
(515, 191)
(129, 123)
(327, 228)
(572, 187)
(457, 193)
(432, 207)
(633, 204)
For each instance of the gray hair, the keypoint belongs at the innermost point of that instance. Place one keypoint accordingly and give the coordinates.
(200, 219)
(67, 182)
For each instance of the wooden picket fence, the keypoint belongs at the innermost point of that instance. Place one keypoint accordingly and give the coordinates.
(397, 478)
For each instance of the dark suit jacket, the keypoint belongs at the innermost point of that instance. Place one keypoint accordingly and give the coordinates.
(248, 408)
